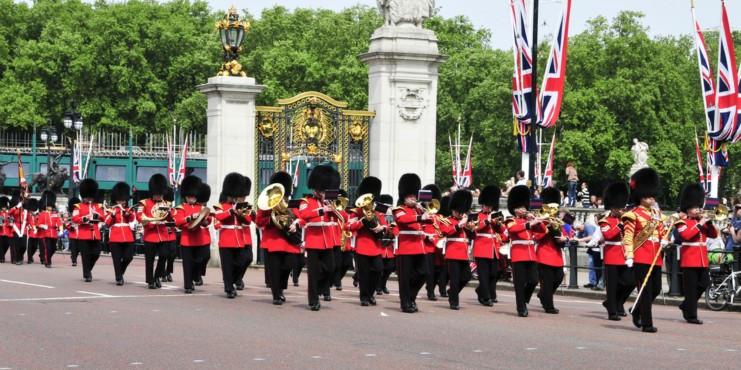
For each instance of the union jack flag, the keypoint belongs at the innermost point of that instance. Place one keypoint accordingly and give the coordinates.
(551, 95)
(182, 166)
(706, 74)
(548, 176)
(522, 79)
(726, 98)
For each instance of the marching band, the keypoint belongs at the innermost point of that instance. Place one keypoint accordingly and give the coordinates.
(428, 239)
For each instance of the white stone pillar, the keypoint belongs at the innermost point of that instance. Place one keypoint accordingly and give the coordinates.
(403, 66)
(231, 133)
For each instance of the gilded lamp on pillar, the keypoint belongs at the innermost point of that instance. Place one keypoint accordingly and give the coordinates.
(231, 31)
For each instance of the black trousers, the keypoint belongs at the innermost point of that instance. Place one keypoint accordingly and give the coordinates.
(204, 265)
(299, 264)
(172, 252)
(619, 283)
(369, 272)
(161, 252)
(695, 281)
(90, 252)
(551, 278)
(459, 272)
(321, 266)
(262, 255)
(193, 260)
(4, 246)
(488, 275)
(597, 264)
(122, 254)
(650, 292)
(279, 264)
(74, 250)
(412, 273)
(233, 262)
(20, 244)
(432, 276)
(525, 279)
(245, 262)
(389, 266)
(33, 246)
(343, 264)
(48, 248)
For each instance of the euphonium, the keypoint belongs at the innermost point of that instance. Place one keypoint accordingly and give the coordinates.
(272, 198)
(365, 203)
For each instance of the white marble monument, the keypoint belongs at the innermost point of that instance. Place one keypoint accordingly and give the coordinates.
(403, 61)
(640, 156)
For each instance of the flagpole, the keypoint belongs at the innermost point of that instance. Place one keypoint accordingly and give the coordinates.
(530, 171)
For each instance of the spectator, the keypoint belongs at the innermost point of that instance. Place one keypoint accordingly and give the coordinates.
(585, 233)
(584, 196)
(573, 180)
(733, 233)
(520, 178)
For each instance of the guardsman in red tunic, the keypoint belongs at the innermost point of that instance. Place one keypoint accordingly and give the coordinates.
(343, 254)
(369, 226)
(234, 214)
(48, 226)
(619, 281)
(522, 251)
(694, 231)
(88, 215)
(33, 231)
(120, 220)
(195, 239)
(410, 218)
(155, 215)
(246, 239)
(21, 220)
(71, 227)
(643, 239)
(320, 232)
(282, 241)
(456, 245)
(203, 197)
(549, 248)
(490, 233)
(387, 244)
(5, 228)
(432, 230)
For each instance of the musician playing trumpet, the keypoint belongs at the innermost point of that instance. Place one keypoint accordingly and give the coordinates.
(193, 219)
(154, 214)
(88, 215)
(120, 220)
(490, 233)
(456, 232)
(550, 243)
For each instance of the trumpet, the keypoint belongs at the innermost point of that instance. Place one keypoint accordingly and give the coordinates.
(720, 213)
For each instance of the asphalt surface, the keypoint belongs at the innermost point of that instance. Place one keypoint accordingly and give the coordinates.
(51, 319)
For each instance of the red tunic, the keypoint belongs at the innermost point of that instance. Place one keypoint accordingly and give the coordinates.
(521, 240)
(635, 221)
(119, 225)
(22, 221)
(456, 241)
(366, 242)
(410, 239)
(199, 235)
(157, 231)
(231, 234)
(48, 224)
(273, 239)
(614, 253)
(548, 250)
(5, 228)
(320, 230)
(83, 216)
(694, 250)
(33, 231)
(489, 238)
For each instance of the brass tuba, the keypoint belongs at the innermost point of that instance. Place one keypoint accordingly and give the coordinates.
(272, 198)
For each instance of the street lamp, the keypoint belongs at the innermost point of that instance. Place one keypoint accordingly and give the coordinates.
(48, 135)
(72, 121)
(231, 31)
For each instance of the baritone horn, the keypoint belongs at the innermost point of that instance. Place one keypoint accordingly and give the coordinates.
(272, 199)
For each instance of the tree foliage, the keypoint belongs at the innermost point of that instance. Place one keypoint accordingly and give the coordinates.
(134, 66)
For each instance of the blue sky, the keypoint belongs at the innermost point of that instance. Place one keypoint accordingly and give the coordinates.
(664, 17)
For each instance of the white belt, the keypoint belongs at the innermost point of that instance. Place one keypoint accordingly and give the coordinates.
(320, 224)
(121, 224)
(693, 244)
(522, 242)
(655, 240)
(460, 240)
(156, 222)
(231, 227)
(411, 232)
(613, 243)
(485, 235)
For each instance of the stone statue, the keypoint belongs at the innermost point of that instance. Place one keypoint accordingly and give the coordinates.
(3, 176)
(405, 12)
(53, 180)
(640, 155)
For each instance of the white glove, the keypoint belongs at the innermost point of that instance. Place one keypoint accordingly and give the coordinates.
(629, 262)
(664, 243)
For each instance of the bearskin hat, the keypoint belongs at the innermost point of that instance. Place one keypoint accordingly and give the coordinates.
(461, 201)
(4, 202)
(31, 204)
(616, 195)
(71, 203)
(246, 186)
(370, 185)
(645, 183)
(204, 193)
(222, 197)
(386, 199)
(89, 188)
(285, 179)
(409, 184)
(436, 193)
(158, 184)
(550, 195)
(519, 196)
(490, 196)
(444, 206)
(15, 197)
(169, 195)
(692, 196)
(48, 199)
(233, 185)
(323, 177)
(190, 185)
(121, 192)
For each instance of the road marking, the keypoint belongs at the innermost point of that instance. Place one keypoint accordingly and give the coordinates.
(199, 361)
(68, 313)
(258, 359)
(95, 294)
(425, 353)
(681, 349)
(530, 349)
(731, 350)
(136, 363)
(114, 311)
(24, 283)
(383, 314)
(370, 355)
(71, 366)
(477, 351)
(581, 347)
(6, 368)
(316, 357)
(155, 310)
(99, 297)
(21, 314)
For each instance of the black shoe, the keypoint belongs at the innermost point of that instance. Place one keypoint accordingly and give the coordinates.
(590, 285)
(552, 311)
(295, 283)
(119, 282)
(29, 262)
(636, 320)
(282, 298)
(379, 292)
(338, 287)
(327, 298)
(2, 261)
(385, 290)
(198, 282)
(455, 307)
(494, 300)
(355, 283)
(372, 301)
(649, 329)
(74, 264)
(407, 309)
(48, 265)
(231, 294)
(188, 291)
(151, 286)
(169, 277)
(19, 263)
(277, 302)
(694, 321)
(486, 303)
(239, 285)
(315, 307)
(88, 279)
(364, 303)
(414, 307)
(622, 314)
(157, 283)
(613, 318)
(431, 297)
(522, 313)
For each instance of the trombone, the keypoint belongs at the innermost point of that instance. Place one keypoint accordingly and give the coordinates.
(720, 213)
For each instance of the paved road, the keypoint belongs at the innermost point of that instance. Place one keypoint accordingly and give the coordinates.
(53, 320)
